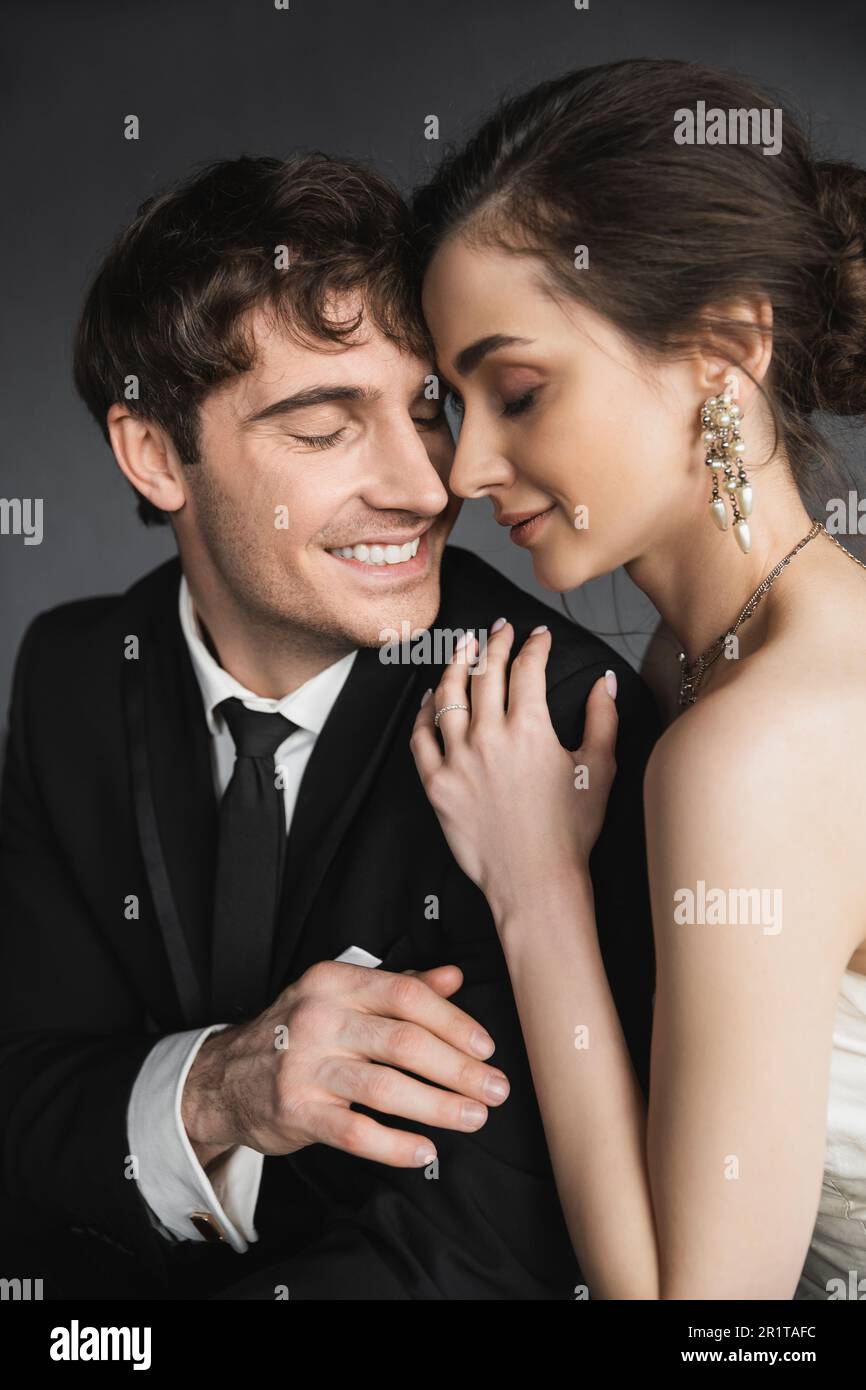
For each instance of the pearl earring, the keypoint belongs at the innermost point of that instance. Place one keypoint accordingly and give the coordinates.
(720, 419)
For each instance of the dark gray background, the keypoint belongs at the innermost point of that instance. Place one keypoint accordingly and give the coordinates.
(217, 78)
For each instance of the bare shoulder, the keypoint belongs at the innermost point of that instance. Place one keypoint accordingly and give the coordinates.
(798, 716)
(774, 763)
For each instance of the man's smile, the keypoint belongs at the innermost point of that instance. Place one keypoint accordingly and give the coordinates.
(386, 557)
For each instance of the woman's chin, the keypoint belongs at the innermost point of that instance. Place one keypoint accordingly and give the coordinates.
(561, 573)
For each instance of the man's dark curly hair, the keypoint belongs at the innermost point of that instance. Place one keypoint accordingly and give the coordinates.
(170, 302)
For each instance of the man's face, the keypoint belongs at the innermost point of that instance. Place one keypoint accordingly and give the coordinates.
(315, 452)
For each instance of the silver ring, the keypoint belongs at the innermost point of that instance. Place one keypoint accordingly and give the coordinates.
(439, 713)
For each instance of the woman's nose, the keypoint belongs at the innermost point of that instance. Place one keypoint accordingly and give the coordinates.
(478, 466)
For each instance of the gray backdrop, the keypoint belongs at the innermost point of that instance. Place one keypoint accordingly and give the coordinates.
(217, 78)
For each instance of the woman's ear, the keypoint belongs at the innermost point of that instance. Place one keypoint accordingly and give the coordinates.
(146, 458)
(742, 332)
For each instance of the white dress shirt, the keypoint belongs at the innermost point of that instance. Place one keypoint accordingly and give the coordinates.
(171, 1179)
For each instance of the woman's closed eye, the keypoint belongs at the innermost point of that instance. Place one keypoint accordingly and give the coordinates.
(520, 404)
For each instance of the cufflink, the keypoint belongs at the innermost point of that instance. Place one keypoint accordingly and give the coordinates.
(207, 1226)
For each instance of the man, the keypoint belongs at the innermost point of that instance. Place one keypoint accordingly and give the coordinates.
(249, 1001)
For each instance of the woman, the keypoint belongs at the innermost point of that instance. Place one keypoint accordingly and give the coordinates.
(636, 330)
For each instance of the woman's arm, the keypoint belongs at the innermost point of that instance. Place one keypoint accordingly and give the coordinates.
(713, 1193)
(592, 1107)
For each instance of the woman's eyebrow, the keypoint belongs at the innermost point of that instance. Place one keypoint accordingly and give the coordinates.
(470, 357)
(312, 395)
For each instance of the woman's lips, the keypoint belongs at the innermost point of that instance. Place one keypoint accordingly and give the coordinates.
(524, 532)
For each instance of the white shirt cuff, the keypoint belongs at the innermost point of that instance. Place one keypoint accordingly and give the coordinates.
(170, 1177)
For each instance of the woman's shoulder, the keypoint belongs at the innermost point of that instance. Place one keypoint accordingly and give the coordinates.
(796, 719)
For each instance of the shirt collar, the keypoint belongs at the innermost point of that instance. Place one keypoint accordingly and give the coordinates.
(308, 706)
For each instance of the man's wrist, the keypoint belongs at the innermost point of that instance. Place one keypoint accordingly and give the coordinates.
(204, 1123)
(207, 1154)
(172, 1178)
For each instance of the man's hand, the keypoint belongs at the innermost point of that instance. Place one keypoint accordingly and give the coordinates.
(342, 1034)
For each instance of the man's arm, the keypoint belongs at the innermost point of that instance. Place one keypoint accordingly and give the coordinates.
(74, 1039)
(175, 1180)
(73, 1035)
(179, 1176)
(484, 1220)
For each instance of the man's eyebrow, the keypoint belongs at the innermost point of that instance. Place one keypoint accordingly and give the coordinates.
(471, 356)
(311, 395)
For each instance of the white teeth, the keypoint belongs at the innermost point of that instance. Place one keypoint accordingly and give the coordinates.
(380, 554)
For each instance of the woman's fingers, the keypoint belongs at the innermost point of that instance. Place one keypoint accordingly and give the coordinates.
(488, 684)
(423, 742)
(453, 691)
(527, 691)
(601, 723)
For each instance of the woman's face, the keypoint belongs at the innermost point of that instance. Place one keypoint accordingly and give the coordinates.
(562, 419)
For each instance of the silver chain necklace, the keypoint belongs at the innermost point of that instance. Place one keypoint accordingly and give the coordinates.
(693, 672)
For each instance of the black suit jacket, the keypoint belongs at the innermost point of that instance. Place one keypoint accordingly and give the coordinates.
(108, 793)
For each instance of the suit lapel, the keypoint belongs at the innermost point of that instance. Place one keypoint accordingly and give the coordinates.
(174, 795)
(342, 767)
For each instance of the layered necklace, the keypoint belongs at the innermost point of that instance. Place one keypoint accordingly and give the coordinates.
(692, 672)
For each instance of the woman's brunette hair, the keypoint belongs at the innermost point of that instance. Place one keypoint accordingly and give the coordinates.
(590, 159)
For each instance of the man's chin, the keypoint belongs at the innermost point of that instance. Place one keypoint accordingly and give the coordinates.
(372, 608)
(398, 617)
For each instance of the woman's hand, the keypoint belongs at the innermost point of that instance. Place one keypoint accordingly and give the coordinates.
(520, 812)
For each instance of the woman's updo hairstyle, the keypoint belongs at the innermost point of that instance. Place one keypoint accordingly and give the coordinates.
(590, 159)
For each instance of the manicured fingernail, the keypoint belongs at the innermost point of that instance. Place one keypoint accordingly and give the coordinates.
(482, 1044)
(424, 1155)
(535, 631)
(500, 622)
(461, 643)
(425, 697)
(610, 683)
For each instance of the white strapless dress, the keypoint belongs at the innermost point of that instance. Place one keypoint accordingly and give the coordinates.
(835, 1266)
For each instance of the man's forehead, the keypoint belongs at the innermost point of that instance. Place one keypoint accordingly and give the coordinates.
(284, 358)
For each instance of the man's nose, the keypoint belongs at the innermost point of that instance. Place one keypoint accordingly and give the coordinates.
(403, 477)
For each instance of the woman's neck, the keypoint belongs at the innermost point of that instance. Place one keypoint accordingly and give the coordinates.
(699, 579)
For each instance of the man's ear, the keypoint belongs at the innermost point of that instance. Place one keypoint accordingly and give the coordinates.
(743, 331)
(146, 458)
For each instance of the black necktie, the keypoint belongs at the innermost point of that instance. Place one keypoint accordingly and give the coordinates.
(252, 838)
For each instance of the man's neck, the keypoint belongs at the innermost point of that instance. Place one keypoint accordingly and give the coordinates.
(270, 658)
